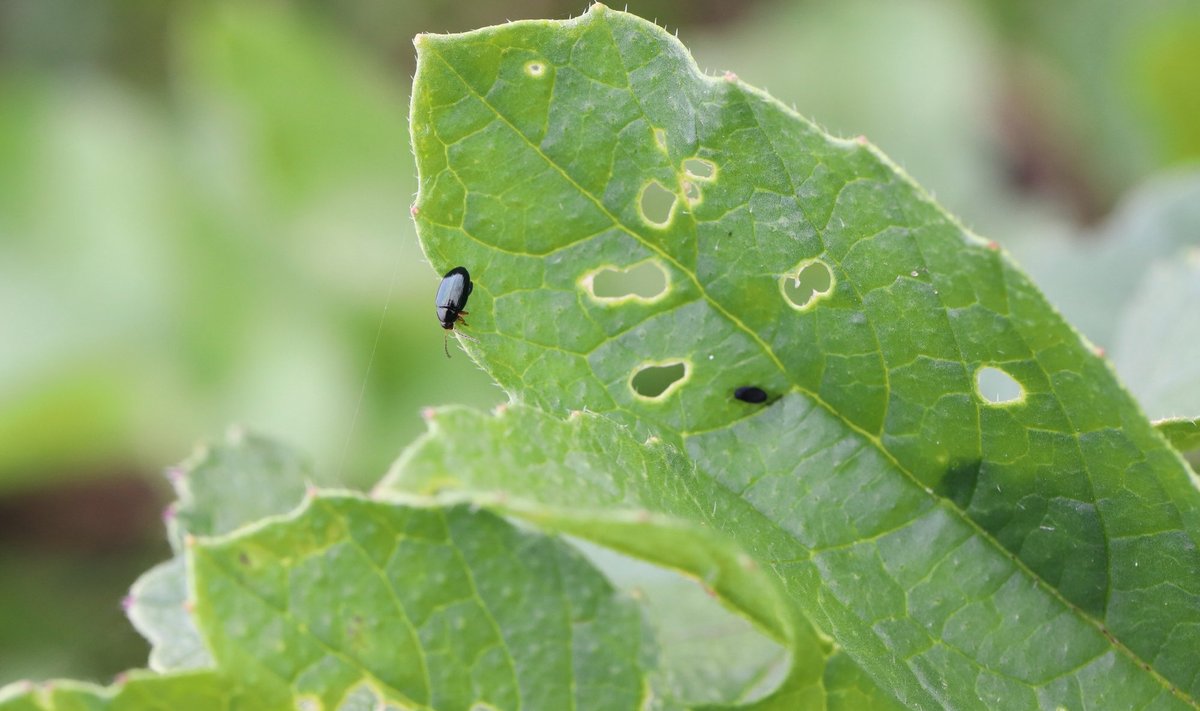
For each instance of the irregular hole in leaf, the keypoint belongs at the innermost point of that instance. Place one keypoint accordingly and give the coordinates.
(657, 381)
(535, 69)
(645, 281)
(706, 653)
(656, 204)
(700, 169)
(808, 282)
(691, 192)
(997, 387)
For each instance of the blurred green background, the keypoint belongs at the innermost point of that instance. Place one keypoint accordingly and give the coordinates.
(204, 220)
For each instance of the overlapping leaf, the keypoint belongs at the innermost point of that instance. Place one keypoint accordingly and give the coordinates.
(963, 552)
(191, 691)
(424, 607)
(224, 485)
(589, 477)
(350, 603)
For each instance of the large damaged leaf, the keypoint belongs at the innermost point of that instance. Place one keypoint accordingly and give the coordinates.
(1030, 550)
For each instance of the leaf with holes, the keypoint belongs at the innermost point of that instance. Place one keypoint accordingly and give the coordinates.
(964, 548)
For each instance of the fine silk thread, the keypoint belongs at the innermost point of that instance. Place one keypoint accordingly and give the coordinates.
(362, 390)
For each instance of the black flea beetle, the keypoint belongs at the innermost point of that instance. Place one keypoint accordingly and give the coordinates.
(750, 394)
(451, 299)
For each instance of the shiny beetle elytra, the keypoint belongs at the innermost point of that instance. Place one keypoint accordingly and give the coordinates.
(452, 295)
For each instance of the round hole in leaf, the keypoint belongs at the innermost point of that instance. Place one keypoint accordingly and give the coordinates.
(997, 387)
(809, 281)
(656, 204)
(700, 169)
(535, 69)
(657, 381)
(645, 281)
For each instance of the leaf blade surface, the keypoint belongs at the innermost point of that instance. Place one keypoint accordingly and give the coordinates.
(533, 188)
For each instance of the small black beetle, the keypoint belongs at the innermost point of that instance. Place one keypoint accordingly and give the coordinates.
(750, 394)
(451, 299)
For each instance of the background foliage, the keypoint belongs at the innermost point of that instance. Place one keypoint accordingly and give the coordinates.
(204, 211)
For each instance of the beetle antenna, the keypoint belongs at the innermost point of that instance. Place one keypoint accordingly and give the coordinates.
(445, 341)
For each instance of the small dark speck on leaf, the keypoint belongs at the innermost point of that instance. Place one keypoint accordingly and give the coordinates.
(750, 394)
